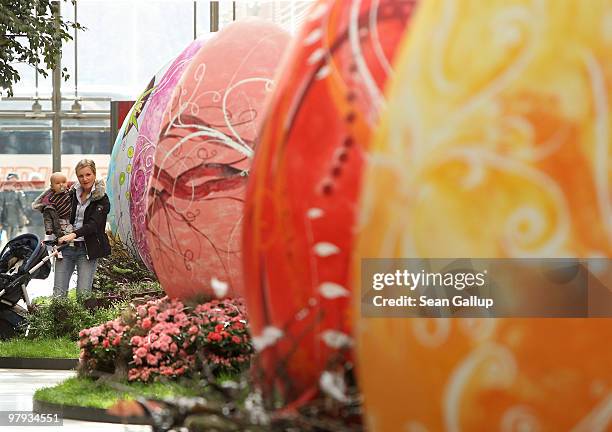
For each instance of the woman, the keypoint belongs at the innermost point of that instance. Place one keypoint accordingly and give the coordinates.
(88, 241)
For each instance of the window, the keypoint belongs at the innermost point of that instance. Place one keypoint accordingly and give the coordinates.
(86, 142)
(25, 142)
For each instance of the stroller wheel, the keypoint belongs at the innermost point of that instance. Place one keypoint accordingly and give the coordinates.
(7, 330)
(10, 323)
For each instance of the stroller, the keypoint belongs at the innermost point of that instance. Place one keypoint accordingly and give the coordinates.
(22, 259)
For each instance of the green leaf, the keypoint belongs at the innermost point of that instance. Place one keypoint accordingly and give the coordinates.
(29, 32)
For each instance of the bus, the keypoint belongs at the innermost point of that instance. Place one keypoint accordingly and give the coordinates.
(28, 152)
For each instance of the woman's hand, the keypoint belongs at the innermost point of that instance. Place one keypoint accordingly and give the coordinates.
(67, 238)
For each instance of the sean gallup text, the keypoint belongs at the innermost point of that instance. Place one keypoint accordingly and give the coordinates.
(425, 301)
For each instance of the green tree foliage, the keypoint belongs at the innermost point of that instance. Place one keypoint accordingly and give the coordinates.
(30, 33)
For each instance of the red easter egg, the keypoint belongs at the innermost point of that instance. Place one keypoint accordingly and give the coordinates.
(301, 199)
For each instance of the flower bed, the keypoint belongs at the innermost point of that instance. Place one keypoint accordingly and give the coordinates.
(166, 338)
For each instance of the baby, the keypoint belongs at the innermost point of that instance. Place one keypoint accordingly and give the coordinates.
(55, 205)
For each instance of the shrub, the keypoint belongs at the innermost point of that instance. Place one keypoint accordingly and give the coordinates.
(58, 317)
(165, 338)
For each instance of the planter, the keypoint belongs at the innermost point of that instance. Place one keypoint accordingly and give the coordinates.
(38, 363)
(85, 413)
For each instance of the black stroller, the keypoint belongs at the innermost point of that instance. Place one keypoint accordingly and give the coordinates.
(22, 259)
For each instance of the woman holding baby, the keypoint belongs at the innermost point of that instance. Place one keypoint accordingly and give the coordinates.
(87, 241)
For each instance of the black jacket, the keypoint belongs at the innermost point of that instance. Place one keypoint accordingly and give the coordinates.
(94, 222)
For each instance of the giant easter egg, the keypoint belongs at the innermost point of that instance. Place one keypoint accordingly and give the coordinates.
(146, 141)
(301, 202)
(495, 143)
(120, 170)
(202, 160)
(116, 188)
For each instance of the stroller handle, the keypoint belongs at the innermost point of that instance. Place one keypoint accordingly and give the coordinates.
(56, 250)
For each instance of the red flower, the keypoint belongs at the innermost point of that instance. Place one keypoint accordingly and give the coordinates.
(215, 337)
(146, 323)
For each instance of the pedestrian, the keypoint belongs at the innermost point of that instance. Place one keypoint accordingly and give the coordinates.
(12, 207)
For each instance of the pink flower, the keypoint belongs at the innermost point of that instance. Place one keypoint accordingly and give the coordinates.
(146, 323)
(105, 343)
(117, 341)
(173, 348)
(142, 311)
(136, 340)
(141, 352)
(236, 339)
(193, 330)
(151, 359)
(152, 311)
(117, 326)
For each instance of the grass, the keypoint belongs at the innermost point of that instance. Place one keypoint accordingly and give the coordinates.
(39, 348)
(86, 392)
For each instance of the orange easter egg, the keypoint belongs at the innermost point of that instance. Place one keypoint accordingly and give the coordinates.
(495, 144)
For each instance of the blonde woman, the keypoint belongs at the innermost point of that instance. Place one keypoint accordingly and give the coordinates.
(88, 241)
